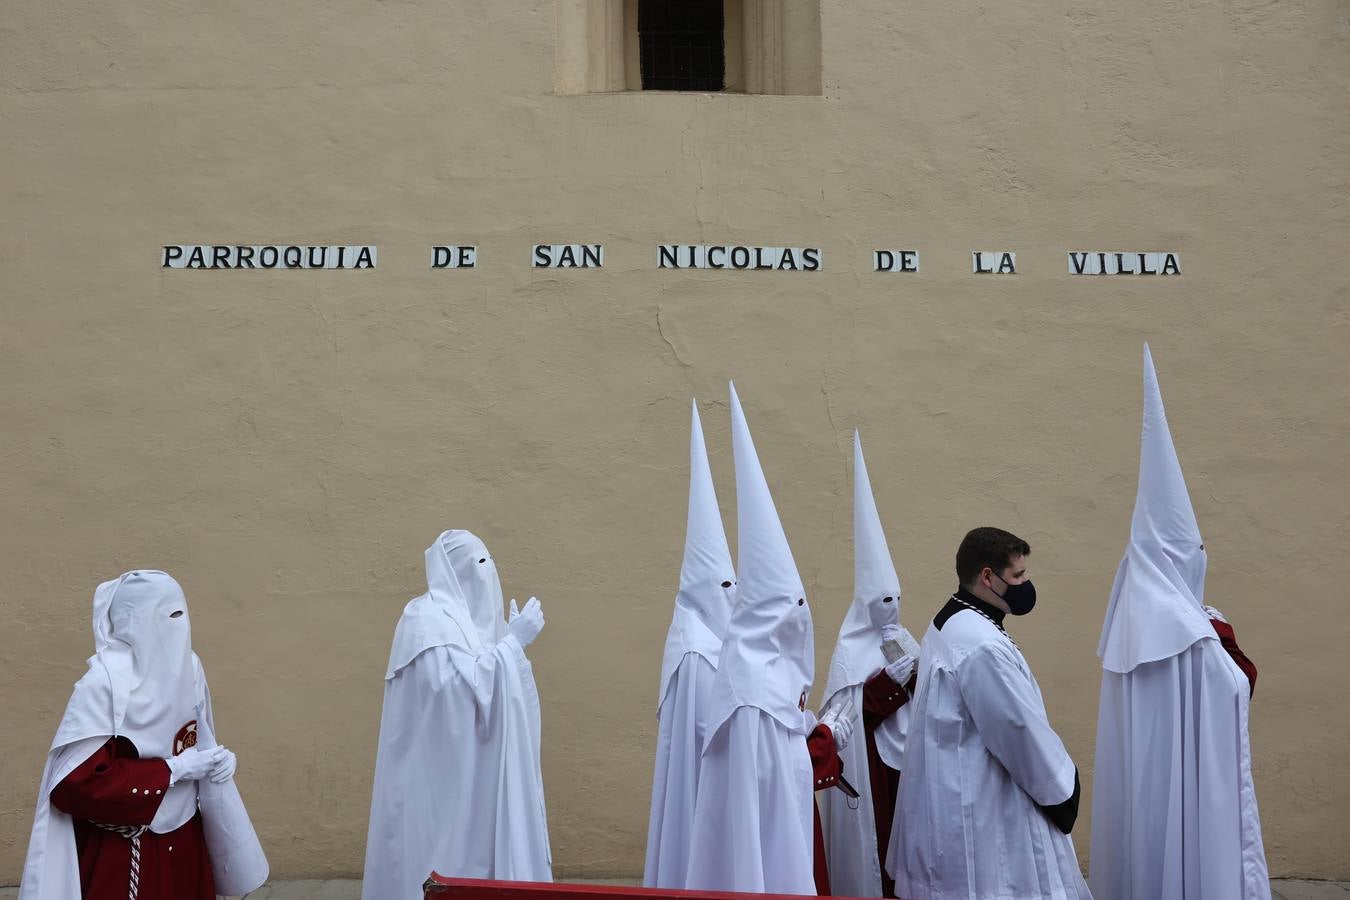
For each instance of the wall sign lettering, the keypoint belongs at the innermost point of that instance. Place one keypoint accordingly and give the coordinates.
(568, 256)
(895, 260)
(270, 256)
(994, 262)
(736, 257)
(739, 257)
(1091, 262)
(454, 257)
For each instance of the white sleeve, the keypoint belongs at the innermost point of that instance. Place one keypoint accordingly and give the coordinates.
(1008, 712)
(480, 672)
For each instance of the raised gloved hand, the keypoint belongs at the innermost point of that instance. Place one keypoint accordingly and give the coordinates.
(902, 670)
(1215, 614)
(193, 764)
(891, 633)
(224, 768)
(525, 624)
(842, 729)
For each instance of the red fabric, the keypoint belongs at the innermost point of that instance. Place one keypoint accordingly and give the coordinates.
(881, 698)
(115, 787)
(826, 767)
(1229, 641)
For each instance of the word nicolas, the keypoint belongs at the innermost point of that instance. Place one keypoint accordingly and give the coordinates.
(739, 257)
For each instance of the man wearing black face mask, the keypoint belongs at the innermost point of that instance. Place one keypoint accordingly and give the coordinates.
(989, 794)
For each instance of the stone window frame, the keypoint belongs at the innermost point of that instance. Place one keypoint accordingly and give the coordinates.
(772, 47)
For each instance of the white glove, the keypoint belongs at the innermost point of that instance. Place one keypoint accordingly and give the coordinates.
(902, 670)
(842, 729)
(193, 764)
(525, 624)
(225, 767)
(891, 633)
(1215, 614)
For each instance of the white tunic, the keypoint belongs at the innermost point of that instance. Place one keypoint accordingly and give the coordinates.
(756, 786)
(679, 743)
(980, 756)
(457, 780)
(1174, 807)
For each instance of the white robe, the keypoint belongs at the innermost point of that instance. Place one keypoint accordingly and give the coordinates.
(1174, 807)
(679, 744)
(756, 783)
(458, 787)
(980, 755)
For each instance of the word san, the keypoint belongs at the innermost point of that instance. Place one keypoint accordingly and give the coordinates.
(568, 256)
(243, 256)
(1098, 263)
(739, 258)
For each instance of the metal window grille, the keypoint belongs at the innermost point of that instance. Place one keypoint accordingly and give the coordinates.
(683, 45)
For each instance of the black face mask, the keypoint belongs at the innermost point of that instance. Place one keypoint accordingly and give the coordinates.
(1021, 598)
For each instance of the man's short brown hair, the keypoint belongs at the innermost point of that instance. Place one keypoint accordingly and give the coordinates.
(987, 547)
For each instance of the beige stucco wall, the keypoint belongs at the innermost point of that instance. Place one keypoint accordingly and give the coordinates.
(287, 443)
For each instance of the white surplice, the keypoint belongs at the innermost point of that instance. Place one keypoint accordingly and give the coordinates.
(979, 757)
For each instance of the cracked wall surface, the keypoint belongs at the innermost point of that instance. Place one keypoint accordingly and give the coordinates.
(287, 443)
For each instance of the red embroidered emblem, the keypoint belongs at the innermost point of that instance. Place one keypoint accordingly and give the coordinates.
(185, 738)
(801, 702)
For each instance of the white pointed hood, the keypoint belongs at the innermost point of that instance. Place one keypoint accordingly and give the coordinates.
(876, 589)
(707, 576)
(1156, 608)
(768, 657)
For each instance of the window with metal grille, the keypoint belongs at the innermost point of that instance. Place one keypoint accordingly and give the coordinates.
(683, 45)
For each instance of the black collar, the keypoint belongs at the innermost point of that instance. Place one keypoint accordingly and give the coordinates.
(964, 599)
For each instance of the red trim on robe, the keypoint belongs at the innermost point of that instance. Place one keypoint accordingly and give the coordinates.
(115, 787)
(1229, 641)
(882, 697)
(826, 767)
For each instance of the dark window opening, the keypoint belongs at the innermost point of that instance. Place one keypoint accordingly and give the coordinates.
(682, 44)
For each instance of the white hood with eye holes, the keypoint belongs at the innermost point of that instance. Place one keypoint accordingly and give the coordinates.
(461, 608)
(876, 590)
(144, 682)
(768, 658)
(702, 605)
(1156, 608)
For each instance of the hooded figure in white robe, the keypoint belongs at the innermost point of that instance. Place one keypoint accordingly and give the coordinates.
(458, 787)
(702, 608)
(1174, 807)
(147, 687)
(867, 685)
(755, 807)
